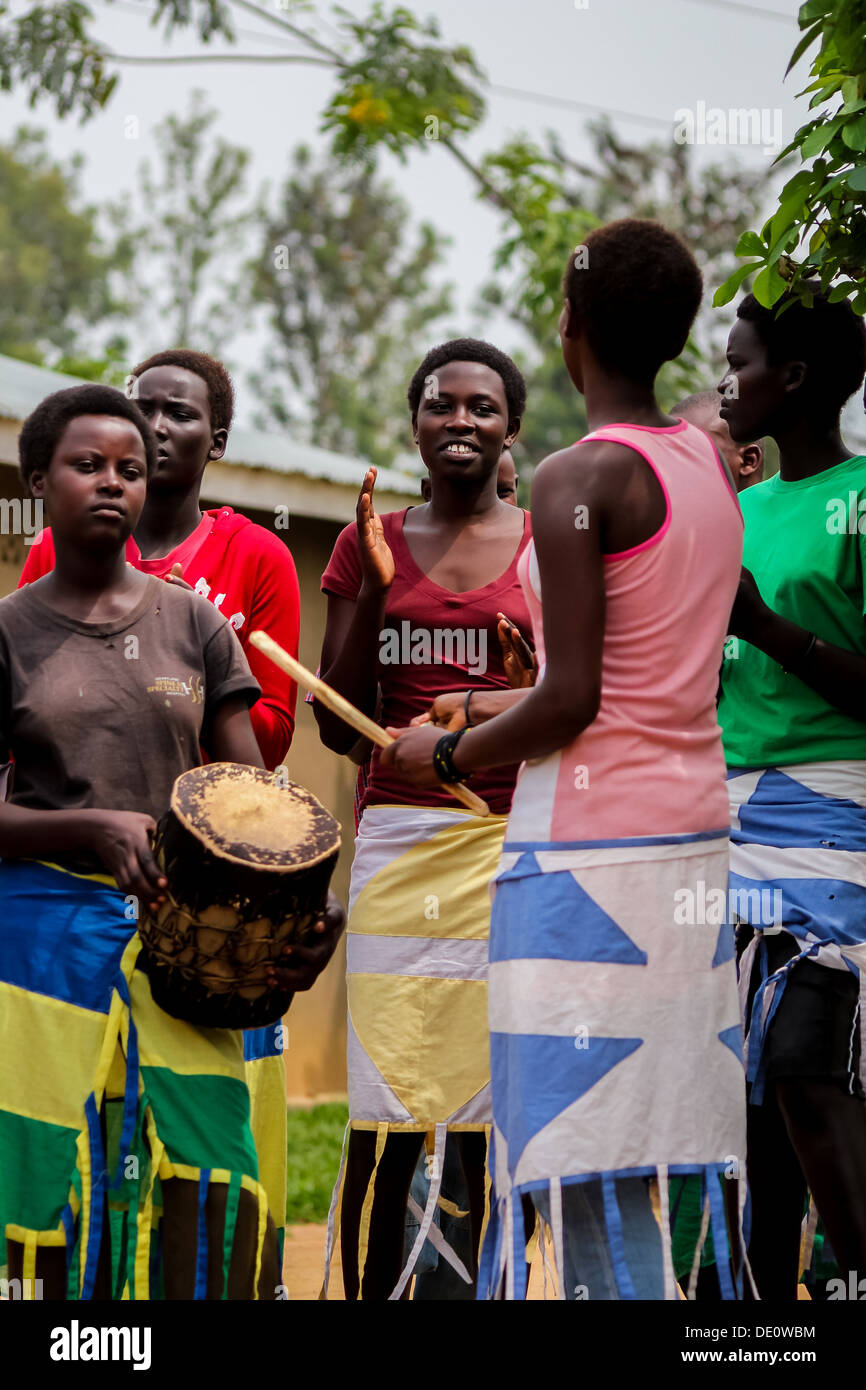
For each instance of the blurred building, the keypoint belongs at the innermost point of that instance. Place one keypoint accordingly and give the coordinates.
(269, 479)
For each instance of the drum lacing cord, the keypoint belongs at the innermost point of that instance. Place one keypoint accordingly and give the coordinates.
(195, 969)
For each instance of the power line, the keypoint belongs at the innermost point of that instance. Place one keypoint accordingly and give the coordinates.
(151, 60)
(757, 10)
(519, 93)
(260, 35)
(585, 106)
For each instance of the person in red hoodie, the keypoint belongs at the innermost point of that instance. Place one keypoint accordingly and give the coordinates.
(249, 576)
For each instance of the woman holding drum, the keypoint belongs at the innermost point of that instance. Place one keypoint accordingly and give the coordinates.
(244, 570)
(413, 604)
(248, 574)
(127, 1165)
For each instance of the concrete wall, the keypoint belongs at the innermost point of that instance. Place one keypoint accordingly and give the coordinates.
(316, 1054)
(13, 550)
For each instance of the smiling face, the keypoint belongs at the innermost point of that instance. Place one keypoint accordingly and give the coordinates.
(95, 484)
(175, 403)
(462, 423)
(756, 398)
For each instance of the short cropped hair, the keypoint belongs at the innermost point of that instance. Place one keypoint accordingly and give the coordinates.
(472, 350)
(43, 429)
(220, 391)
(636, 288)
(829, 338)
(701, 400)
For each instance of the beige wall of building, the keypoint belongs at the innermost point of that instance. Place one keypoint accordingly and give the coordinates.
(13, 550)
(316, 1053)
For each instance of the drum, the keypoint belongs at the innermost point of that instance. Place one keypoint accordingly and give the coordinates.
(248, 856)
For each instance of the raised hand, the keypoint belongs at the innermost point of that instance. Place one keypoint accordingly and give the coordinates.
(377, 562)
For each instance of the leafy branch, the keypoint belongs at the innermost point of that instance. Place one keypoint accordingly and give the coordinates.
(818, 231)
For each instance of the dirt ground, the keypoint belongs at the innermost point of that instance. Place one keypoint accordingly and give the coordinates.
(303, 1263)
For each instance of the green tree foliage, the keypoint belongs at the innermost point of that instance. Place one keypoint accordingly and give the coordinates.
(51, 52)
(554, 200)
(401, 86)
(55, 269)
(350, 305)
(558, 199)
(818, 229)
(397, 85)
(187, 223)
(392, 70)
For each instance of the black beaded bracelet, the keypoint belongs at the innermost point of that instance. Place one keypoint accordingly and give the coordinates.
(443, 757)
(466, 709)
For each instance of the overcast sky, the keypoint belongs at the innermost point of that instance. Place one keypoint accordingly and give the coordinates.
(645, 58)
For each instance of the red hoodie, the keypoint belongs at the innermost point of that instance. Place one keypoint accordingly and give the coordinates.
(249, 576)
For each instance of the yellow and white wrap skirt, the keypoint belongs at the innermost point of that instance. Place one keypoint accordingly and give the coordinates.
(417, 952)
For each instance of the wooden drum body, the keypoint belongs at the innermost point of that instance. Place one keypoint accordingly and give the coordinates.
(248, 856)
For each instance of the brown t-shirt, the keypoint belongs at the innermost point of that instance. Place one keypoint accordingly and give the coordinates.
(107, 715)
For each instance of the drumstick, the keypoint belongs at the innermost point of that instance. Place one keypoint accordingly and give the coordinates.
(348, 713)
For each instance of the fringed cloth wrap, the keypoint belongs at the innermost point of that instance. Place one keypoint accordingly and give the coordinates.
(417, 938)
(798, 862)
(616, 1046)
(265, 1072)
(78, 1031)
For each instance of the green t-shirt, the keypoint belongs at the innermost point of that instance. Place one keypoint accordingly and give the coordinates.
(805, 543)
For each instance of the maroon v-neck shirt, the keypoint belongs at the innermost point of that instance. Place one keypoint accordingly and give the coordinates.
(433, 641)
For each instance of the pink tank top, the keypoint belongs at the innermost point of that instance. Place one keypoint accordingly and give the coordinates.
(651, 762)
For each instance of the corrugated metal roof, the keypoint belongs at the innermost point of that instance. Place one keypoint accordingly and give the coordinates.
(23, 385)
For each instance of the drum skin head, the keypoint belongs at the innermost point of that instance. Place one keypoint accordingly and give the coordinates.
(248, 856)
(256, 818)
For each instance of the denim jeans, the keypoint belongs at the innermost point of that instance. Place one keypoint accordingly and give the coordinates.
(436, 1280)
(586, 1249)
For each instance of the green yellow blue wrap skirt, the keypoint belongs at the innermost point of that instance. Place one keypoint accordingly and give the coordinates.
(103, 1095)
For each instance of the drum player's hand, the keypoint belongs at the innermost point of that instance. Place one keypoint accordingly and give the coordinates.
(446, 712)
(122, 840)
(411, 755)
(302, 965)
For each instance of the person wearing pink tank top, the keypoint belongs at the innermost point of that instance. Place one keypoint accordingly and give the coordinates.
(616, 1047)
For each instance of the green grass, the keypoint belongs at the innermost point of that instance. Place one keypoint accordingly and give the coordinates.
(313, 1160)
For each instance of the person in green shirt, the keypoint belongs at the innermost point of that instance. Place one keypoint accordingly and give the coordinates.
(793, 714)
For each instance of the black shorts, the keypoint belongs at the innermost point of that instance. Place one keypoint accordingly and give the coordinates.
(815, 1031)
